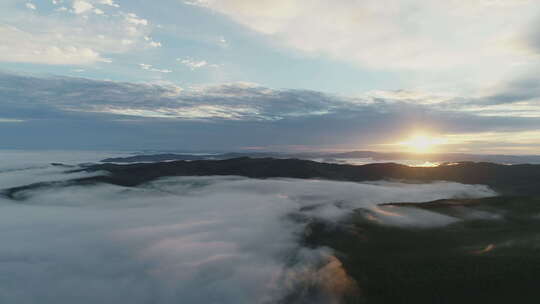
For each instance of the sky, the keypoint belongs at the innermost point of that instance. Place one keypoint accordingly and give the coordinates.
(280, 75)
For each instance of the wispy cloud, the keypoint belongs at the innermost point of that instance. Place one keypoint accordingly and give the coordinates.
(194, 64)
(25, 46)
(109, 2)
(78, 32)
(151, 42)
(149, 67)
(80, 7)
(525, 88)
(10, 120)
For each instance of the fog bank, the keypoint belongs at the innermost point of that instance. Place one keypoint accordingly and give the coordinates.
(188, 239)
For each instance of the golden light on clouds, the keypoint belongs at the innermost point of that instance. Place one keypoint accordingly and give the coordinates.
(520, 142)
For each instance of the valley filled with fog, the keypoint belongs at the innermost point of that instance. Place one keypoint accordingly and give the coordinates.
(210, 239)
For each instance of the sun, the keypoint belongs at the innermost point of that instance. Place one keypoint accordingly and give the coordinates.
(421, 143)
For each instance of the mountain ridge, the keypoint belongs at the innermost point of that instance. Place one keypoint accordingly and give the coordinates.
(510, 180)
(333, 157)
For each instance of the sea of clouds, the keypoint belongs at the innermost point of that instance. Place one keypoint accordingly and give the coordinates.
(184, 239)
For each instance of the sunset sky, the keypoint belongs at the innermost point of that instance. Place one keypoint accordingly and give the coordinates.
(279, 75)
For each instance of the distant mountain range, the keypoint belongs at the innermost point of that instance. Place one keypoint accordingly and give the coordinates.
(342, 157)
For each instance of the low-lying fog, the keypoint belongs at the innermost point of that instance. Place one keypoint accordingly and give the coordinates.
(184, 239)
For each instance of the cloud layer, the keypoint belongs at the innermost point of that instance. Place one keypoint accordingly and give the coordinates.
(414, 35)
(190, 239)
(231, 116)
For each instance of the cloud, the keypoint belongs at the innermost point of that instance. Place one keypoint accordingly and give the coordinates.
(254, 101)
(206, 116)
(81, 35)
(525, 88)
(109, 3)
(250, 101)
(223, 42)
(28, 47)
(80, 6)
(194, 64)
(134, 19)
(151, 42)
(511, 97)
(149, 67)
(30, 5)
(10, 120)
(189, 239)
(530, 38)
(439, 37)
(372, 33)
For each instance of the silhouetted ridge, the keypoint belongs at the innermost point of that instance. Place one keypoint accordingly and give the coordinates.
(335, 157)
(512, 180)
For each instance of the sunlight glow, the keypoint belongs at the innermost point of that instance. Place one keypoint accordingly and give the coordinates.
(422, 143)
